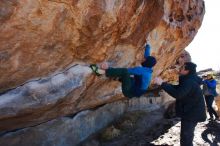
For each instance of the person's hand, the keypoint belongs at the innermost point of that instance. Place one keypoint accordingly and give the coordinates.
(146, 45)
(158, 81)
(104, 65)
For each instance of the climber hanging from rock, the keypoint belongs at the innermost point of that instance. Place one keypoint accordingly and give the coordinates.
(136, 80)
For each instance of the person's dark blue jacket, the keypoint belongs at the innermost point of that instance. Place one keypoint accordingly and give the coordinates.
(211, 85)
(142, 76)
(190, 104)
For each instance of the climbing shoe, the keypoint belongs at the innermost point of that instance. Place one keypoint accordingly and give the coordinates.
(95, 69)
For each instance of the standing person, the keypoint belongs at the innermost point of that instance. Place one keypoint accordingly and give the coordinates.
(135, 81)
(209, 90)
(190, 104)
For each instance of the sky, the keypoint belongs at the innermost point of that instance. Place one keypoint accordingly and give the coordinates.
(205, 48)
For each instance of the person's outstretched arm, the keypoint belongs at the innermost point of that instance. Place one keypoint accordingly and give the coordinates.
(147, 50)
(179, 92)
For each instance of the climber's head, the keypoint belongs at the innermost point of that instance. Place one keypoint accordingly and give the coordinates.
(149, 61)
(188, 68)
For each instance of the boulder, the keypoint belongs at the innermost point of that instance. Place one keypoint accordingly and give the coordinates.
(47, 45)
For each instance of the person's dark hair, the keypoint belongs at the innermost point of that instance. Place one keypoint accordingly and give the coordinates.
(150, 61)
(191, 67)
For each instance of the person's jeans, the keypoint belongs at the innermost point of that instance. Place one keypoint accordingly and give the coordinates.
(187, 132)
(209, 100)
(125, 78)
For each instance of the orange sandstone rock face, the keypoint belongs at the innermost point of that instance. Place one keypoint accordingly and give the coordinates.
(42, 42)
(41, 37)
(172, 73)
(175, 31)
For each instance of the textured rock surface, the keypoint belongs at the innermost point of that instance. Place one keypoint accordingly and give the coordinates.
(41, 39)
(43, 99)
(175, 31)
(171, 74)
(67, 131)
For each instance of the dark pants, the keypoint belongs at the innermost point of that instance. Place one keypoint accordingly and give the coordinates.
(209, 100)
(187, 132)
(125, 78)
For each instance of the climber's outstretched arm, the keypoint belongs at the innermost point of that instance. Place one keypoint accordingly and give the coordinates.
(147, 50)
